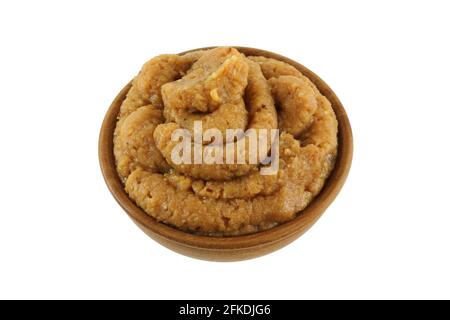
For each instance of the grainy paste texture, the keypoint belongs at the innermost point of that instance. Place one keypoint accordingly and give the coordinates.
(225, 90)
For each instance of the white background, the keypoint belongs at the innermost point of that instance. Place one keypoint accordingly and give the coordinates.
(62, 235)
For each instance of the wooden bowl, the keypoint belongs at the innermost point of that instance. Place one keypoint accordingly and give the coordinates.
(236, 247)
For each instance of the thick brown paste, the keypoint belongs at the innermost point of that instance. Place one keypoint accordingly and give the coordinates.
(225, 90)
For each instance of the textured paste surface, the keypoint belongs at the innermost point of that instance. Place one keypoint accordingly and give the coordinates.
(225, 90)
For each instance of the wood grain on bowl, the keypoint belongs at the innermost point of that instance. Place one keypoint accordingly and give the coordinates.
(236, 247)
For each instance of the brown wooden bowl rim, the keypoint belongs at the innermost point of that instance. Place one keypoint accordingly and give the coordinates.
(304, 220)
